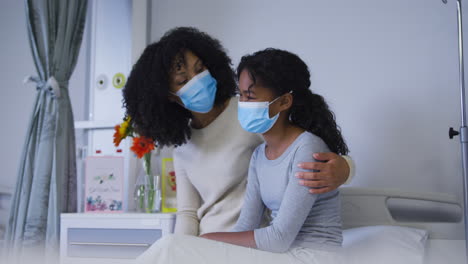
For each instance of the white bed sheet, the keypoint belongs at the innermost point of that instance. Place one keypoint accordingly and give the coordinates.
(444, 251)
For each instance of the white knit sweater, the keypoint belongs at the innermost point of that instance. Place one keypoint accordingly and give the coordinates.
(211, 174)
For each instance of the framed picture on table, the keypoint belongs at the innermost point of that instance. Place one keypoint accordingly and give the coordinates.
(104, 184)
(169, 188)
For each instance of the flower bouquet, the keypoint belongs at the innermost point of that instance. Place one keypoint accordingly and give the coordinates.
(142, 147)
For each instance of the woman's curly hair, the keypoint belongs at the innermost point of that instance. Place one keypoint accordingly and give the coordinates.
(283, 72)
(145, 95)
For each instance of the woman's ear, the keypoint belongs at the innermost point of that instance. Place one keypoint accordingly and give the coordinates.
(286, 101)
(172, 97)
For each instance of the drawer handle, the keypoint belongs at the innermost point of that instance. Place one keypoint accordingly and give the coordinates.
(109, 244)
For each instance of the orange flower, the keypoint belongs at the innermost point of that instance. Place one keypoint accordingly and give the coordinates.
(141, 146)
(117, 136)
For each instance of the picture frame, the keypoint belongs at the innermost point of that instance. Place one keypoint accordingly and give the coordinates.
(104, 184)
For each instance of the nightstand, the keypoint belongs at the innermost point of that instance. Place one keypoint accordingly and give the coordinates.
(115, 237)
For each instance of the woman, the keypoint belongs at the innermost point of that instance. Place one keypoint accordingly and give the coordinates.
(275, 101)
(181, 92)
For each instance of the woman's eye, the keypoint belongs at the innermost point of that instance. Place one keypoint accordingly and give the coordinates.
(199, 70)
(182, 82)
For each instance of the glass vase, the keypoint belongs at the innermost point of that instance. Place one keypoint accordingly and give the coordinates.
(147, 189)
(147, 194)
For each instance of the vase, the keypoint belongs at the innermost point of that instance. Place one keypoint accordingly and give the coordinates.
(147, 189)
(148, 195)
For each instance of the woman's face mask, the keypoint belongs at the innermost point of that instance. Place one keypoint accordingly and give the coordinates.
(198, 94)
(254, 117)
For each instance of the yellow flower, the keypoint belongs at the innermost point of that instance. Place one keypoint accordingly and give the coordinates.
(123, 129)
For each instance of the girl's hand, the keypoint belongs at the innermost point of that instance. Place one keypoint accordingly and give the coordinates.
(245, 239)
(330, 174)
(207, 236)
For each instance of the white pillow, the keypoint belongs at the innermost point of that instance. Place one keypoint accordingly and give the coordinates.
(384, 244)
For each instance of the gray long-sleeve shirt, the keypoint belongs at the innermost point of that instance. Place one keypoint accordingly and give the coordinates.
(272, 184)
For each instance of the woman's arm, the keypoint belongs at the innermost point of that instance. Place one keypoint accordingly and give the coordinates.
(251, 214)
(188, 202)
(328, 175)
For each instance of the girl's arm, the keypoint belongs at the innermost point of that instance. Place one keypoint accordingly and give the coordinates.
(279, 236)
(294, 209)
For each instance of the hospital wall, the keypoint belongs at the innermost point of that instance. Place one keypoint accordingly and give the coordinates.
(388, 69)
(17, 99)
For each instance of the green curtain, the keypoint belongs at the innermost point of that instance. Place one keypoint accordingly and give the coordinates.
(46, 183)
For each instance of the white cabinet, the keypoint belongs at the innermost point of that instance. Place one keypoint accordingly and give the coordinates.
(116, 238)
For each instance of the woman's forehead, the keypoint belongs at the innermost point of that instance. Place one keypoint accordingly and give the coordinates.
(185, 58)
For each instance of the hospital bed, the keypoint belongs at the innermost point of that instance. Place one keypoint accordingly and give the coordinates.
(392, 226)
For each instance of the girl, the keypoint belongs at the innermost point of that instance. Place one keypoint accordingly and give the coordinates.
(275, 101)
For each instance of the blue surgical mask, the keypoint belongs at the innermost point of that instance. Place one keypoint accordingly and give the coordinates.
(198, 94)
(254, 117)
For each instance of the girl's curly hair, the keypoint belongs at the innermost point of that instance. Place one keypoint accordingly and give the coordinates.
(283, 72)
(145, 95)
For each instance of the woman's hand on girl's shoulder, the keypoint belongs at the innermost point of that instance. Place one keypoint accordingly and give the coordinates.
(329, 174)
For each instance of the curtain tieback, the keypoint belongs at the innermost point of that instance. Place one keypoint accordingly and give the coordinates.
(51, 86)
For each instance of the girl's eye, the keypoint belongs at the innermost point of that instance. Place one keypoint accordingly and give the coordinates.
(246, 98)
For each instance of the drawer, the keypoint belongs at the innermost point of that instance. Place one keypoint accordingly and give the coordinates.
(110, 242)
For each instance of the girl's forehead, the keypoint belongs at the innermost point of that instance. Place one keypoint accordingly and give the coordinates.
(247, 84)
(245, 80)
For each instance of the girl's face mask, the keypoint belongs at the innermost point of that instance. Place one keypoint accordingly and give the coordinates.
(198, 94)
(254, 117)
